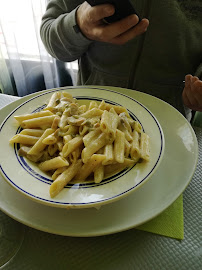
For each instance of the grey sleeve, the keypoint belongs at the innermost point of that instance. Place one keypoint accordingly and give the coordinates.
(198, 72)
(59, 31)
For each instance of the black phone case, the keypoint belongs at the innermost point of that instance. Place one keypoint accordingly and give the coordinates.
(123, 8)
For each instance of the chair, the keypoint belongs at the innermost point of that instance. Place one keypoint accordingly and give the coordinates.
(35, 79)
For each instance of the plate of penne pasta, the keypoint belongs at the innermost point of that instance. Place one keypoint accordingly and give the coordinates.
(80, 147)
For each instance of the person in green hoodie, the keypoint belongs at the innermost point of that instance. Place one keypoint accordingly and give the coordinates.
(152, 55)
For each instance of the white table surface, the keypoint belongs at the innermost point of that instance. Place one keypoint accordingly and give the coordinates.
(130, 250)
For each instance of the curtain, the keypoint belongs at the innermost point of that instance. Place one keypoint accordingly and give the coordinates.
(25, 65)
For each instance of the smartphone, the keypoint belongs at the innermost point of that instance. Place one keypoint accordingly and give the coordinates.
(123, 8)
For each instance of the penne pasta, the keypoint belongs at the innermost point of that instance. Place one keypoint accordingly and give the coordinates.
(89, 167)
(69, 130)
(58, 172)
(67, 138)
(117, 167)
(125, 126)
(64, 178)
(135, 146)
(24, 139)
(67, 95)
(32, 132)
(63, 120)
(74, 156)
(119, 146)
(106, 124)
(93, 112)
(144, 146)
(52, 138)
(93, 104)
(94, 146)
(39, 145)
(114, 118)
(93, 121)
(102, 105)
(21, 118)
(127, 148)
(72, 142)
(56, 122)
(118, 109)
(99, 174)
(39, 122)
(109, 154)
(83, 130)
(137, 127)
(35, 158)
(52, 149)
(128, 136)
(60, 144)
(44, 155)
(53, 101)
(125, 120)
(91, 136)
(53, 164)
(82, 109)
(71, 146)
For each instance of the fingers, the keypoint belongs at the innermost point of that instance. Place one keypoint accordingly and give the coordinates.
(90, 21)
(109, 32)
(197, 90)
(99, 12)
(90, 18)
(192, 93)
(191, 100)
(188, 79)
(133, 32)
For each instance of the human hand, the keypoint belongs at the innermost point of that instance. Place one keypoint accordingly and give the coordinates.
(192, 93)
(90, 22)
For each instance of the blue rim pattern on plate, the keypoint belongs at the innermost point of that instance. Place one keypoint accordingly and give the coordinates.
(78, 185)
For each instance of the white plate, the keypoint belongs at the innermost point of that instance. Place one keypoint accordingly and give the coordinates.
(27, 178)
(164, 187)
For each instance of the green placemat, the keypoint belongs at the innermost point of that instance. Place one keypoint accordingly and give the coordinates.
(170, 223)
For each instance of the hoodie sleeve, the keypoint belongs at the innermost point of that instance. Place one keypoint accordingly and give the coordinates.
(198, 72)
(60, 33)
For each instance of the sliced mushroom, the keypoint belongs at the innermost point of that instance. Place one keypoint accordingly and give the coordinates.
(73, 108)
(74, 121)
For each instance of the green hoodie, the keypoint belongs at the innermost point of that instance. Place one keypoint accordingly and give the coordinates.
(155, 62)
